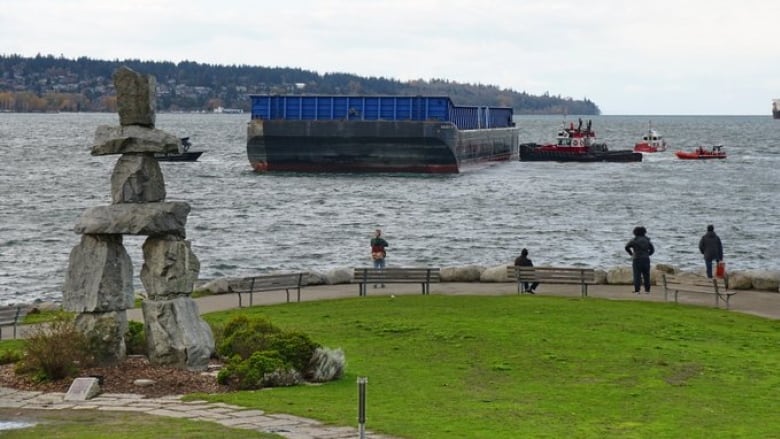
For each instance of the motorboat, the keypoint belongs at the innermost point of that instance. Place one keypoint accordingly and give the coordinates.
(651, 142)
(184, 154)
(702, 153)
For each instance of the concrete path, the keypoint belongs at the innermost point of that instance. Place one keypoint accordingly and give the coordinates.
(763, 304)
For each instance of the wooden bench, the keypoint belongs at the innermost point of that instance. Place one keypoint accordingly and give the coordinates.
(11, 316)
(423, 276)
(552, 275)
(268, 282)
(688, 284)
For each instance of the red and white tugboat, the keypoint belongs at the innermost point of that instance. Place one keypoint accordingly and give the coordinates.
(575, 145)
(702, 153)
(651, 142)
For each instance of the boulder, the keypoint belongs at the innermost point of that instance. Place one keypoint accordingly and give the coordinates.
(765, 280)
(495, 274)
(601, 276)
(170, 267)
(666, 268)
(468, 273)
(739, 280)
(164, 218)
(137, 178)
(135, 97)
(313, 278)
(176, 335)
(131, 139)
(620, 276)
(99, 276)
(106, 332)
(216, 286)
(340, 275)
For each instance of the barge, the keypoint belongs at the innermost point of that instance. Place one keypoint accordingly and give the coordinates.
(409, 134)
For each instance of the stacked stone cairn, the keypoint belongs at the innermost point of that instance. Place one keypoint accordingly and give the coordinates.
(99, 280)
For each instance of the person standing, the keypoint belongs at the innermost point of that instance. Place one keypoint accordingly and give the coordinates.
(524, 261)
(378, 252)
(712, 249)
(640, 248)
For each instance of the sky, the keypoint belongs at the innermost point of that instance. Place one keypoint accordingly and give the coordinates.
(675, 57)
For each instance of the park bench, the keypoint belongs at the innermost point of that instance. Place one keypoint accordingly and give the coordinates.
(689, 284)
(267, 282)
(11, 316)
(423, 276)
(552, 275)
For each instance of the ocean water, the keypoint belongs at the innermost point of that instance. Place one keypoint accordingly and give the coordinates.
(243, 223)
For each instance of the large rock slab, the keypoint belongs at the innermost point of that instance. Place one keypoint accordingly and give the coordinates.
(495, 274)
(339, 275)
(176, 335)
(133, 139)
(170, 267)
(765, 280)
(468, 273)
(135, 97)
(151, 219)
(739, 280)
(99, 276)
(106, 332)
(137, 178)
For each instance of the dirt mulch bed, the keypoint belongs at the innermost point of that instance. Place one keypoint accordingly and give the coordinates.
(120, 379)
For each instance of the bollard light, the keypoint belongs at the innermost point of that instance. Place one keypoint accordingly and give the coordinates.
(362, 381)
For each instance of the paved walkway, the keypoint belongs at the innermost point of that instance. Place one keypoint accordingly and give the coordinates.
(287, 426)
(763, 304)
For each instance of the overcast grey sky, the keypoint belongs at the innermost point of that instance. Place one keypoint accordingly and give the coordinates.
(653, 57)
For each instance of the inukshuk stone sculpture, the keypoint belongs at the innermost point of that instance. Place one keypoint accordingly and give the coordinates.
(98, 284)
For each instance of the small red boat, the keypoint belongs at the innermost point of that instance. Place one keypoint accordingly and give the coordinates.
(702, 153)
(651, 142)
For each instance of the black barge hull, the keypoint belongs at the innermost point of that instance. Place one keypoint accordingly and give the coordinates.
(375, 146)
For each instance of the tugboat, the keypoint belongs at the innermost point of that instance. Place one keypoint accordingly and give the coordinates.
(702, 153)
(184, 154)
(575, 145)
(651, 142)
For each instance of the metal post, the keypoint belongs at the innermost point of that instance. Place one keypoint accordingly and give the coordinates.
(362, 406)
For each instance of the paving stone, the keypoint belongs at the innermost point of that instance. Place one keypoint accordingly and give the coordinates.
(248, 413)
(171, 414)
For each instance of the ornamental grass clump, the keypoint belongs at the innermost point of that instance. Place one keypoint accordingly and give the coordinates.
(55, 350)
(261, 354)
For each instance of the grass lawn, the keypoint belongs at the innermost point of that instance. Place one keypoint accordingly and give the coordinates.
(534, 366)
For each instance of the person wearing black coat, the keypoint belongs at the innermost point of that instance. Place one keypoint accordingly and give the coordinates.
(640, 248)
(524, 261)
(712, 249)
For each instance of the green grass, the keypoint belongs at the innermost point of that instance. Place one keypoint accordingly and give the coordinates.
(44, 316)
(520, 366)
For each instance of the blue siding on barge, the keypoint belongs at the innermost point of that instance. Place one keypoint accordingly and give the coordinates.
(388, 108)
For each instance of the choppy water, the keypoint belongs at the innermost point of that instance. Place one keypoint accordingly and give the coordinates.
(243, 223)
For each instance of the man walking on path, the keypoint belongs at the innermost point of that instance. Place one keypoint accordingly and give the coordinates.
(712, 249)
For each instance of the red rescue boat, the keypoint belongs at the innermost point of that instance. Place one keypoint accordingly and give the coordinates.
(651, 142)
(702, 153)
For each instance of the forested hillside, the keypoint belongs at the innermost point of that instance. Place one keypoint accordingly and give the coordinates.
(48, 83)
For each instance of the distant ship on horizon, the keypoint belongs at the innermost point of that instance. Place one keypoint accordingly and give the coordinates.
(776, 108)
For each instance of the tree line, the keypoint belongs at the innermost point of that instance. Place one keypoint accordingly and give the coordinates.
(48, 83)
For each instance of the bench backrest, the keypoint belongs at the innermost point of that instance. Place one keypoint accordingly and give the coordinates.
(694, 282)
(267, 282)
(399, 275)
(552, 274)
(10, 315)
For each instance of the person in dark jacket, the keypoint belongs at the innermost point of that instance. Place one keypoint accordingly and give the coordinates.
(640, 248)
(378, 252)
(523, 261)
(712, 249)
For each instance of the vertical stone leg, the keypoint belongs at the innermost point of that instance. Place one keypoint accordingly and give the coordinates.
(106, 331)
(176, 335)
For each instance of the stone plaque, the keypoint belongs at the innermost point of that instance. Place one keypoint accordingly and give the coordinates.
(83, 389)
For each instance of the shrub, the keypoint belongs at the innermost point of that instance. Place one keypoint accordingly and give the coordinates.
(250, 373)
(326, 365)
(296, 348)
(55, 350)
(243, 337)
(135, 339)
